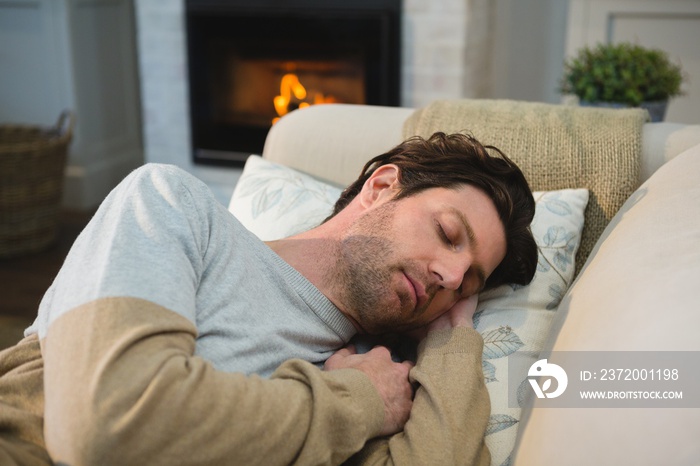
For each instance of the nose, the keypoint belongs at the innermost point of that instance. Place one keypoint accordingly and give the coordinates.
(450, 270)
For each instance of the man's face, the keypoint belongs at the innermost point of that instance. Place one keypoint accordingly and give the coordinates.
(404, 263)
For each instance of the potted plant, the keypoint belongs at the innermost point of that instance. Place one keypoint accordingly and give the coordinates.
(623, 75)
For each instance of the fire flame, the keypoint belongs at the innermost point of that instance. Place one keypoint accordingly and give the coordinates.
(291, 86)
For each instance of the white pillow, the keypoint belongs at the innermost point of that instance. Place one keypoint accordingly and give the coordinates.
(274, 201)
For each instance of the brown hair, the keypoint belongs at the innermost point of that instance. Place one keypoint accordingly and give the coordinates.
(450, 160)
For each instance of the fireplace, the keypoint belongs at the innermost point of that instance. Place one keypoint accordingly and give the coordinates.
(252, 62)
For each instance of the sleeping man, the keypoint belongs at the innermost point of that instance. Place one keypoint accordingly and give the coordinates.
(172, 335)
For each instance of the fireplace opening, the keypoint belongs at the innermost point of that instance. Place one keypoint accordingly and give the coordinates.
(251, 64)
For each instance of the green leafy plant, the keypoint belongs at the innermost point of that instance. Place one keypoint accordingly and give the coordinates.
(623, 73)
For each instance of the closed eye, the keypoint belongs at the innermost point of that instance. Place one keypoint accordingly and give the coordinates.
(443, 235)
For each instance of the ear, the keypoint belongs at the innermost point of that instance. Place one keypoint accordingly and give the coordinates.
(382, 185)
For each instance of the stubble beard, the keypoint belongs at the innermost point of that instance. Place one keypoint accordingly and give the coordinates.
(364, 274)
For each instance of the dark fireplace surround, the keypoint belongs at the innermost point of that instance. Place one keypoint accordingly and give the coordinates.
(251, 61)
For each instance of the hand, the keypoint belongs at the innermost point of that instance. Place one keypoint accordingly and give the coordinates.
(459, 315)
(388, 377)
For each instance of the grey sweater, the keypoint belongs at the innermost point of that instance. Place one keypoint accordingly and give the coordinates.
(161, 236)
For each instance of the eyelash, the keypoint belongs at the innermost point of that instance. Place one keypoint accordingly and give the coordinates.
(449, 242)
(444, 236)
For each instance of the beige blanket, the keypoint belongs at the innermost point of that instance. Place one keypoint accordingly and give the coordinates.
(556, 146)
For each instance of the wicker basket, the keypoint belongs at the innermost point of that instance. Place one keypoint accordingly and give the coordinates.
(32, 165)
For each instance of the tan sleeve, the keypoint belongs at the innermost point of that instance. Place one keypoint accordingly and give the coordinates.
(122, 387)
(450, 411)
(22, 405)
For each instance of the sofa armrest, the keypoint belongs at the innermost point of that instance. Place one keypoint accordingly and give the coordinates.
(663, 141)
(637, 293)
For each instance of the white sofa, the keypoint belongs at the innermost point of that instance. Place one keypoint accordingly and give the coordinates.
(635, 293)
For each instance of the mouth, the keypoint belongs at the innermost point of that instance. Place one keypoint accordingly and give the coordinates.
(417, 292)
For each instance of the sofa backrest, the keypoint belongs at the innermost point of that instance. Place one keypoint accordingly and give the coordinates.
(333, 141)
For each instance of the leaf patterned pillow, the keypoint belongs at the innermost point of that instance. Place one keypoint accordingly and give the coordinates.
(274, 201)
(517, 319)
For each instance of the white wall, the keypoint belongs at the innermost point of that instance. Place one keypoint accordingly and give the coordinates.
(77, 55)
(671, 25)
(529, 49)
(434, 50)
(32, 48)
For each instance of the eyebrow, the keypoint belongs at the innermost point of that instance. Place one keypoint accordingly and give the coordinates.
(481, 275)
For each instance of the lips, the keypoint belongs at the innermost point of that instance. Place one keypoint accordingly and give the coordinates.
(417, 290)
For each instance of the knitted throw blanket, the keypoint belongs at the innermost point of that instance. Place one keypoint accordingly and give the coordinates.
(556, 146)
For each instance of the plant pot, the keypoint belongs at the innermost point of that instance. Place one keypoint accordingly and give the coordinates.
(656, 109)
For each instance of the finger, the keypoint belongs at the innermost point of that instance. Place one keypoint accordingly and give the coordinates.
(381, 351)
(346, 351)
(408, 364)
(336, 359)
(472, 302)
(465, 307)
(462, 305)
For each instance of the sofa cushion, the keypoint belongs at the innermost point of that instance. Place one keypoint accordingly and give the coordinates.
(274, 201)
(637, 292)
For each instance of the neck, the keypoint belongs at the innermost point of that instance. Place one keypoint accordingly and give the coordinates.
(314, 255)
